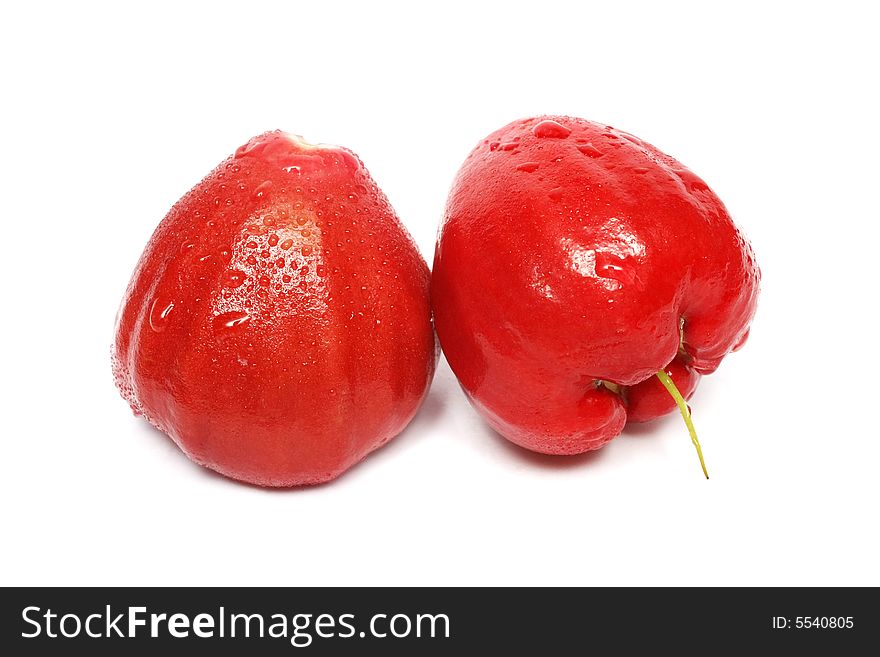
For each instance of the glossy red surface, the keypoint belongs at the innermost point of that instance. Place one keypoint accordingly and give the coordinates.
(573, 254)
(278, 323)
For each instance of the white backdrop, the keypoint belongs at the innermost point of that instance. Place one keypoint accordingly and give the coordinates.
(110, 114)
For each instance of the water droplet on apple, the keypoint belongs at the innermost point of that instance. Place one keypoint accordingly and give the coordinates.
(159, 314)
(262, 190)
(590, 151)
(528, 167)
(254, 147)
(233, 278)
(551, 129)
(231, 321)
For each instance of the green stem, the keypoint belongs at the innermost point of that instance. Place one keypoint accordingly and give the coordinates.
(667, 382)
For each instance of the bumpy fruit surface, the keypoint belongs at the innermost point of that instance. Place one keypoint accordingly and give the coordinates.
(278, 323)
(575, 261)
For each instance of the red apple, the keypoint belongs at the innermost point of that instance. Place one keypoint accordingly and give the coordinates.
(575, 263)
(278, 324)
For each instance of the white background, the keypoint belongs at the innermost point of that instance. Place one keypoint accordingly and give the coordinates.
(110, 114)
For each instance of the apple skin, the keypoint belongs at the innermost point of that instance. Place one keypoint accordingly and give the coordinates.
(573, 263)
(278, 325)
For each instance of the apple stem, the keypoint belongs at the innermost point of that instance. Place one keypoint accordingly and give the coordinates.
(667, 382)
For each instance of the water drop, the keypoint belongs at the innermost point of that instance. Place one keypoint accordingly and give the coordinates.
(286, 244)
(233, 278)
(528, 167)
(262, 190)
(159, 314)
(590, 150)
(551, 129)
(307, 250)
(555, 193)
(254, 147)
(273, 239)
(231, 321)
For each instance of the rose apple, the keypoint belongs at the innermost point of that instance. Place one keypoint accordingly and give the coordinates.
(278, 324)
(576, 262)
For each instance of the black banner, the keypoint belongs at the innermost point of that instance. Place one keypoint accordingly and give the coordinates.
(113, 621)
